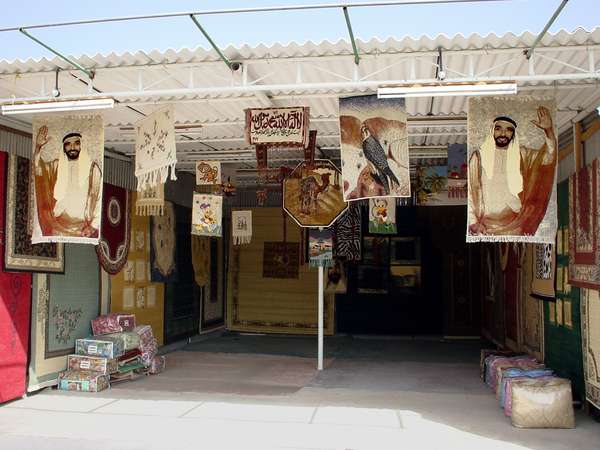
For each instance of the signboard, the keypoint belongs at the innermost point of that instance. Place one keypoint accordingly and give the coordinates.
(277, 126)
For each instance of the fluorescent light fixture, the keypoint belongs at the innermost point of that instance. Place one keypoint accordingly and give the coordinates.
(58, 106)
(447, 90)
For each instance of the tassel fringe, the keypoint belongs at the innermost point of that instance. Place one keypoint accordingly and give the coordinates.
(156, 176)
(508, 239)
(240, 240)
(149, 210)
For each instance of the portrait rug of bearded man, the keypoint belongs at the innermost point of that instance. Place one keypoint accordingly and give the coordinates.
(513, 154)
(68, 162)
(374, 147)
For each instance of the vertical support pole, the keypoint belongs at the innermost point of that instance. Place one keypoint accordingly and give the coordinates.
(320, 353)
(578, 145)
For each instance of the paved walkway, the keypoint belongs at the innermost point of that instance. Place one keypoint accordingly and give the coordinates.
(256, 401)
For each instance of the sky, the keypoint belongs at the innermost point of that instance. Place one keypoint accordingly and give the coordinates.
(486, 17)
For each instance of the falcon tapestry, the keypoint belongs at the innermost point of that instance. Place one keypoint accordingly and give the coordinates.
(374, 147)
(155, 150)
(207, 212)
(68, 162)
(113, 246)
(512, 148)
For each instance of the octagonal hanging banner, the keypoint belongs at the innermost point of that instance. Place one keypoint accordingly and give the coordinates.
(313, 197)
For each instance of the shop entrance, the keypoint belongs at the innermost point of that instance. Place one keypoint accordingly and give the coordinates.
(424, 280)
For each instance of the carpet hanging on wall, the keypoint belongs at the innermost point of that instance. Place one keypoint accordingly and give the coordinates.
(590, 337)
(201, 259)
(513, 146)
(20, 253)
(68, 164)
(347, 234)
(374, 147)
(382, 215)
(207, 215)
(320, 247)
(241, 223)
(113, 246)
(163, 246)
(15, 294)
(544, 268)
(584, 251)
(155, 152)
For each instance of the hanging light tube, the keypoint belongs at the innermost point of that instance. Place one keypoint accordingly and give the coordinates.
(58, 106)
(447, 90)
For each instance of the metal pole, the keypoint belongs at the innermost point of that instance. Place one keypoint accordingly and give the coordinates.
(211, 42)
(529, 51)
(89, 73)
(320, 360)
(246, 10)
(352, 40)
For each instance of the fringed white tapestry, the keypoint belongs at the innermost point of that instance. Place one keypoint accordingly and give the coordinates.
(208, 172)
(68, 162)
(374, 147)
(512, 149)
(150, 201)
(207, 213)
(155, 151)
(241, 223)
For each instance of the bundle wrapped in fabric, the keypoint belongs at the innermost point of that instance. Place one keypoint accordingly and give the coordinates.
(133, 356)
(99, 346)
(512, 372)
(148, 344)
(129, 339)
(485, 353)
(542, 404)
(105, 366)
(113, 323)
(504, 362)
(157, 365)
(508, 391)
(82, 380)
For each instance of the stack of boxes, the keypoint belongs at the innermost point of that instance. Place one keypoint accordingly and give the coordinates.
(119, 350)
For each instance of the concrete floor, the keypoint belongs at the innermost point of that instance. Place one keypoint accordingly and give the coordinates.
(263, 392)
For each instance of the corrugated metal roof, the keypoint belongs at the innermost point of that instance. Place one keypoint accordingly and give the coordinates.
(210, 98)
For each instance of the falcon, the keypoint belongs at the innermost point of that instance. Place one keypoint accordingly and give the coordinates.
(375, 154)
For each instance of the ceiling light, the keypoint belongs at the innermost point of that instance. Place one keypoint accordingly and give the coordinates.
(57, 106)
(447, 89)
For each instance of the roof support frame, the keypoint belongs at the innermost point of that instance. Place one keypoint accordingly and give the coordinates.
(228, 63)
(89, 73)
(529, 51)
(234, 86)
(351, 35)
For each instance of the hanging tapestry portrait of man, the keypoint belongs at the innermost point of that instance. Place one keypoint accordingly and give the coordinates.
(512, 170)
(374, 147)
(162, 246)
(113, 246)
(68, 162)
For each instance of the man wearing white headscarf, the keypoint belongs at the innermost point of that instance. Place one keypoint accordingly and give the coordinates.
(510, 184)
(67, 188)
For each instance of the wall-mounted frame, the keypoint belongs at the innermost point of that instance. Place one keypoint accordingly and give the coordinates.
(405, 250)
(372, 279)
